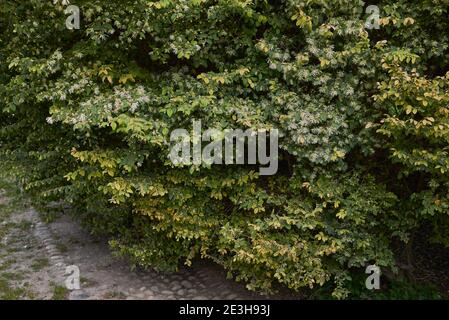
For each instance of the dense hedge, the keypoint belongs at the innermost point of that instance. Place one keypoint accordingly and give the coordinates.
(86, 117)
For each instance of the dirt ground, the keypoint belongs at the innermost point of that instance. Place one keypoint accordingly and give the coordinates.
(34, 256)
(35, 251)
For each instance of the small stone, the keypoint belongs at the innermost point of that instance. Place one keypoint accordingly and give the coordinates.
(166, 292)
(176, 287)
(192, 278)
(149, 293)
(154, 288)
(231, 296)
(142, 289)
(181, 292)
(140, 296)
(192, 291)
(186, 284)
(78, 295)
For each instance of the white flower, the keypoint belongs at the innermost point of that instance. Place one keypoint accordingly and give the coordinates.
(63, 2)
(134, 107)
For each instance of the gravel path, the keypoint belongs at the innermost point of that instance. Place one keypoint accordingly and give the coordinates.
(40, 253)
(27, 269)
(104, 277)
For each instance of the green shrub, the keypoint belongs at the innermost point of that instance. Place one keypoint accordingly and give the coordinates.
(86, 117)
(397, 289)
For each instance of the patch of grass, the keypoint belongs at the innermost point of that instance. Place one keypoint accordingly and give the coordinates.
(13, 200)
(114, 295)
(40, 263)
(7, 292)
(31, 295)
(47, 213)
(12, 249)
(87, 282)
(60, 292)
(61, 247)
(24, 225)
(7, 264)
(5, 229)
(3, 208)
(74, 240)
(12, 276)
(48, 217)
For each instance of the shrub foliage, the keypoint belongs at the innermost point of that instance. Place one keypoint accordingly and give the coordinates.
(86, 117)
